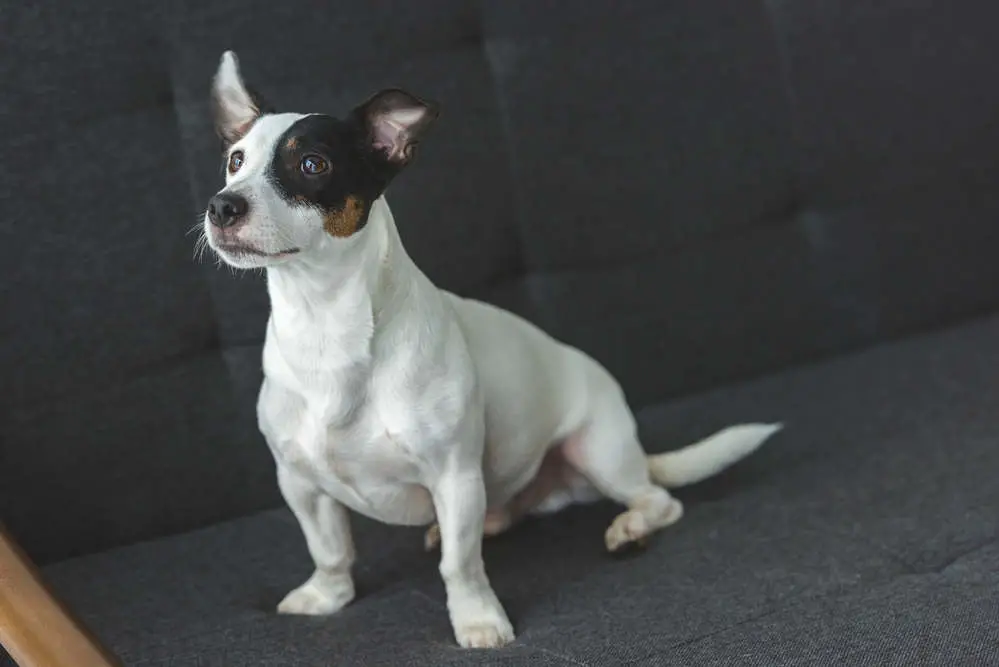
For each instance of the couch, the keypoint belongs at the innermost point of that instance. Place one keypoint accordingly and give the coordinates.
(759, 210)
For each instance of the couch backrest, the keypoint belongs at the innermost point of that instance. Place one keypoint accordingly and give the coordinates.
(693, 192)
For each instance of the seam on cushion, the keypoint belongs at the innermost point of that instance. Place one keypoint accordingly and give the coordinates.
(780, 607)
(699, 638)
(524, 266)
(795, 602)
(506, 127)
(161, 367)
(790, 98)
(155, 642)
(555, 654)
(189, 155)
(737, 624)
(950, 561)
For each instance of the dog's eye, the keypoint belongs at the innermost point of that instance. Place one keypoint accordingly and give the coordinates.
(235, 161)
(313, 164)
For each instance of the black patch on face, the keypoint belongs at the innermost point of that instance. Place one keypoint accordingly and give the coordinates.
(355, 176)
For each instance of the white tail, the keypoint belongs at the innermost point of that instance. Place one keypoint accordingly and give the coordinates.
(710, 456)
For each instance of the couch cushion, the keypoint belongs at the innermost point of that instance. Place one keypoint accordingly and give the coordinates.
(868, 527)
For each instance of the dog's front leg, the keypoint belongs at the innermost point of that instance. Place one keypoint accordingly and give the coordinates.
(477, 617)
(326, 526)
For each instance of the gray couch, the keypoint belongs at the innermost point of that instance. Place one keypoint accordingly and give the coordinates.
(746, 210)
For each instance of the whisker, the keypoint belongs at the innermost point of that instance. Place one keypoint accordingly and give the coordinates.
(200, 246)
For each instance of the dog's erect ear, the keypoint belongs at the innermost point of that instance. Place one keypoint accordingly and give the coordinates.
(234, 106)
(395, 122)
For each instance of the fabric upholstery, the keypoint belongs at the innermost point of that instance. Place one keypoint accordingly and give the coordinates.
(865, 533)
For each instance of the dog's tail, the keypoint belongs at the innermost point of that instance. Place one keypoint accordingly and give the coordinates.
(710, 456)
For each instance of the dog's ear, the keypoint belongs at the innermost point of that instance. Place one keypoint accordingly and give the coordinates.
(395, 121)
(235, 107)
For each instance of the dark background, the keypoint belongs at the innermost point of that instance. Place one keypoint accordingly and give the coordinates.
(695, 193)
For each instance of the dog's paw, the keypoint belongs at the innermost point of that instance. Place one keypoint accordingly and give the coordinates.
(315, 599)
(432, 538)
(629, 528)
(485, 635)
(478, 618)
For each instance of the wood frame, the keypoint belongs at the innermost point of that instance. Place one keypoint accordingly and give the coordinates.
(36, 629)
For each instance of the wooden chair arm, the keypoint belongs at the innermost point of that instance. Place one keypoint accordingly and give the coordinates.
(35, 628)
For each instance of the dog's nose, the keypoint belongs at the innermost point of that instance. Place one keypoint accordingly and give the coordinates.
(225, 209)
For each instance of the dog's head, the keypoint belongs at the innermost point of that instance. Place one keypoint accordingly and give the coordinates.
(296, 182)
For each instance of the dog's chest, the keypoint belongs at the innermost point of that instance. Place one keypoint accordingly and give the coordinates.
(348, 415)
(363, 465)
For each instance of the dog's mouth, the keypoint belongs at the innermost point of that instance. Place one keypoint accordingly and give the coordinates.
(237, 250)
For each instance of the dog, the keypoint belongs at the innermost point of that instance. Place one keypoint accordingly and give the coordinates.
(385, 395)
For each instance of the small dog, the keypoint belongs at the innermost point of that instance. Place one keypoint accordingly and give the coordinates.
(388, 396)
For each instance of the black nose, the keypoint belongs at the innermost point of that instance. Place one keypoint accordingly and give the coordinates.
(225, 209)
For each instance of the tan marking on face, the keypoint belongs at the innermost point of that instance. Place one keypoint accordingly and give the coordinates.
(301, 199)
(345, 222)
(291, 144)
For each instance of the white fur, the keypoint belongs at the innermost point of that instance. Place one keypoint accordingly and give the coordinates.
(710, 456)
(388, 396)
(234, 105)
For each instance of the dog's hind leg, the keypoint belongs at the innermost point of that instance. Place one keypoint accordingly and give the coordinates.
(495, 522)
(607, 452)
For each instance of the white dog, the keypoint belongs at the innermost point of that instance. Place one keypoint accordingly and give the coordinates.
(388, 396)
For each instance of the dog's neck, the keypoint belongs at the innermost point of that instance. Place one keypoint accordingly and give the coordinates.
(338, 293)
(323, 274)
